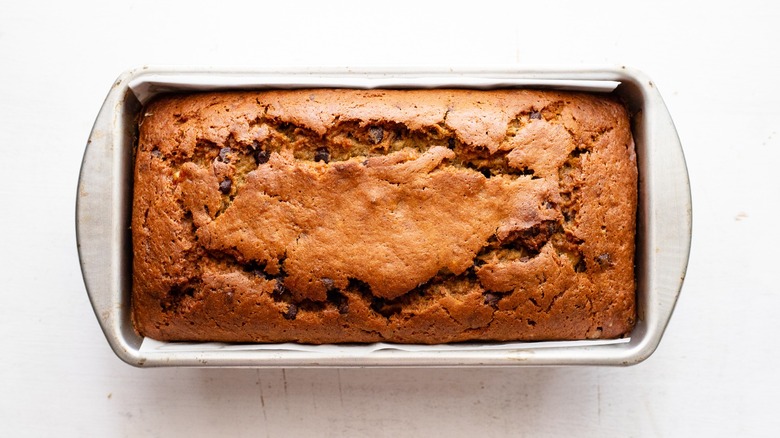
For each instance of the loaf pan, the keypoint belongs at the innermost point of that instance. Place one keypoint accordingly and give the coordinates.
(104, 199)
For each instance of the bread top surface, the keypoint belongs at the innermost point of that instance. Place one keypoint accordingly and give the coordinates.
(412, 199)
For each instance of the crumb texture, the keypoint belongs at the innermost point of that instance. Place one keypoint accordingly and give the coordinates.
(416, 216)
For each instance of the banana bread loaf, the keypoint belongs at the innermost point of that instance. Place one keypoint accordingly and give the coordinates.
(411, 216)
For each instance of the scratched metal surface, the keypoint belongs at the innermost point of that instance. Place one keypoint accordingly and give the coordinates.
(713, 374)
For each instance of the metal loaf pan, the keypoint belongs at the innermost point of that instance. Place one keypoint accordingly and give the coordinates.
(105, 194)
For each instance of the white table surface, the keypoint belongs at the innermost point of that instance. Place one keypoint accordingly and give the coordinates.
(715, 374)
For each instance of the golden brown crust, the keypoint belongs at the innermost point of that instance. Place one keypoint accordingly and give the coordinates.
(424, 216)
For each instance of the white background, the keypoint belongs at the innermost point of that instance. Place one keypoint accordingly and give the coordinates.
(717, 65)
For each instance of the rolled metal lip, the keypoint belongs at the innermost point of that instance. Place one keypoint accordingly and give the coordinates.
(104, 197)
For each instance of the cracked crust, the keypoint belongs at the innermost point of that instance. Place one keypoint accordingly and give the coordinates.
(418, 216)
